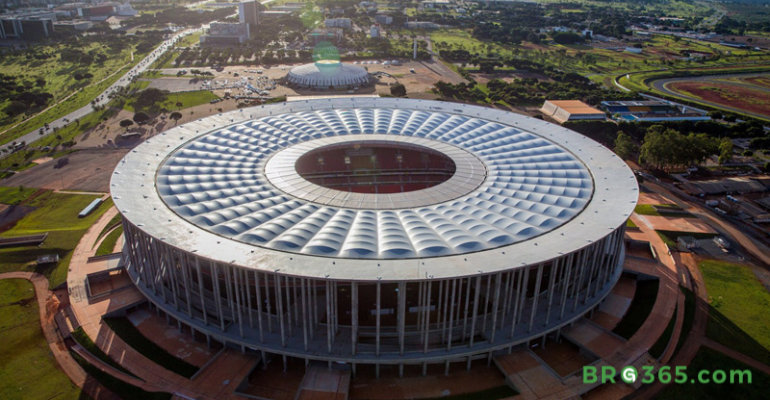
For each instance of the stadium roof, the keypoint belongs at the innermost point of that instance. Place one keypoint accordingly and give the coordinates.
(327, 73)
(525, 191)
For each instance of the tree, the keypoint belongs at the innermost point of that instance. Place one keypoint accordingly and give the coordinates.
(149, 98)
(176, 116)
(141, 118)
(725, 151)
(624, 146)
(398, 90)
(126, 123)
(748, 153)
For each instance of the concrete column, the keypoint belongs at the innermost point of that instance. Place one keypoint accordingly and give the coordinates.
(329, 317)
(304, 313)
(354, 317)
(238, 300)
(495, 305)
(451, 313)
(279, 305)
(217, 295)
(427, 322)
(257, 285)
(477, 292)
(551, 285)
(565, 284)
(401, 317)
(538, 281)
(246, 286)
(377, 327)
(519, 294)
(201, 290)
(465, 309)
(523, 300)
(289, 305)
(269, 304)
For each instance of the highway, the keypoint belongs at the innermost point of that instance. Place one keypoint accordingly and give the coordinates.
(103, 98)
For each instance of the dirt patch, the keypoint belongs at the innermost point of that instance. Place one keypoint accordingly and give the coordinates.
(760, 81)
(9, 215)
(653, 198)
(678, 224)
(725, 94)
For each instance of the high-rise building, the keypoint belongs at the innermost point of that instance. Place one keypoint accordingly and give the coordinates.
(248, 13)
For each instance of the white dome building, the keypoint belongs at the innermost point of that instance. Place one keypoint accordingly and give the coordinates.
(325, 73)
(373, 231)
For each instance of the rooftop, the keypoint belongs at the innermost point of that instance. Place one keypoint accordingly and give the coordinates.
(522, 186)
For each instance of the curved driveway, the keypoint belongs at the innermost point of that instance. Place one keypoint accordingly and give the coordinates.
(661, 85)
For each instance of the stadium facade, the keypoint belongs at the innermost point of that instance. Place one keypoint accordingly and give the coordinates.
(373, 231)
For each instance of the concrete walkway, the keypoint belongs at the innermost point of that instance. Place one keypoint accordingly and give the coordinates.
(217, 381)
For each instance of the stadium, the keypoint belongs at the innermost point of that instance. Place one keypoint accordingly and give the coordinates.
(323, 74)
(373, 231)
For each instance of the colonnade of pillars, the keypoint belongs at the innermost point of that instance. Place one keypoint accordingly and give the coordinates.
(368, 320)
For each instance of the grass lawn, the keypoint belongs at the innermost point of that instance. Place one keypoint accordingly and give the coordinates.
(131, 335)
(116, 219)
(646, 209)
(82, 338)
(117, 386)
(630, 224)
(15, 195)
(670, 237)
(29, 370)
(711, 360)
(108, 244)
(188, 99)
(738, 313)
(640, 308)
(57, 214)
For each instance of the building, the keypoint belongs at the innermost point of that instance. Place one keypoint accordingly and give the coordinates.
(323, 74)
(635, 50)
(421, 25)
(290, 7)
(337, 23)
(273, 14)
(31, 25)
(375, 31)
(320, 35)
(436, 4)
(383, 19)
(226, 33)
(652, 111)
(73, 26)
(99, 12)
(248, 13)
(374, 232)
(125, 10)
(571, 110)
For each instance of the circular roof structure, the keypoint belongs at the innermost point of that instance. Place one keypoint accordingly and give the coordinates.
(325, 73)
(261, 188)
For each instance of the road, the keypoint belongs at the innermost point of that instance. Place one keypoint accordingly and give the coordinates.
(758, 250)
(437, 66)
(103, 98)
(660, 85)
